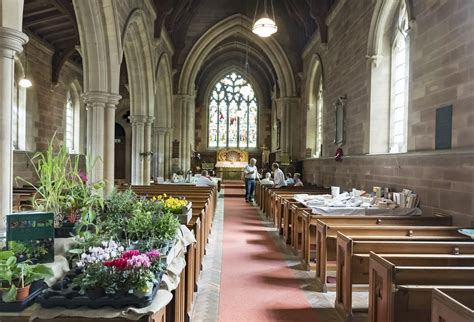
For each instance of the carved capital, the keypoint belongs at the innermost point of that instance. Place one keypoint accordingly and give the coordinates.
(11, 42)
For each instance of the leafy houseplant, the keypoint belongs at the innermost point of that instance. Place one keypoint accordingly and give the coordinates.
(16, 278)
(54, 171)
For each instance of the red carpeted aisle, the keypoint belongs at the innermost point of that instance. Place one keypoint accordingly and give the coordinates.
(256, 284)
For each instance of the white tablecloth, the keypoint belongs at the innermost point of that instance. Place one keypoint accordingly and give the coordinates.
(363, 211)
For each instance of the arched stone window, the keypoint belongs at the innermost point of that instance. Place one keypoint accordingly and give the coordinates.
(72, 121)
(389, 47)
(399, 83)
(315, 103)
(18, 109)
(233, 113)
(319, 120)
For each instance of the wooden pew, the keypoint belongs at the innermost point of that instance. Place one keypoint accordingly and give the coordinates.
(454, 305)
(327, 237)
(309, 223)
(400, 287)
(353, 262)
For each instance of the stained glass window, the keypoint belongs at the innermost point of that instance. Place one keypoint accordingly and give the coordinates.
(233, 113)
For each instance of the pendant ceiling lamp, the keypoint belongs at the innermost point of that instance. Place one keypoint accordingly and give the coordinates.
(264, 27)
(25, 81)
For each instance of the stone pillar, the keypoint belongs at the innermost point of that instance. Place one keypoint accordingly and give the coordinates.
(287, 106)
(148, 150)
(95, 104)
(11, 43)
(186, 106)
(162, 151)
(167, 154)
(138, 147)
(109, 144)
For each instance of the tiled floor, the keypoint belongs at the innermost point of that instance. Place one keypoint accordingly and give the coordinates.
(206, 305)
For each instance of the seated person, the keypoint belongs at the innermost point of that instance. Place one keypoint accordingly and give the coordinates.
(205, 180)
(297, 180)
(278, 176)
(268, 179)
(289, 179)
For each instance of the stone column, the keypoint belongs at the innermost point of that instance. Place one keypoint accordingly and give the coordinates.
(287, 106)
(95, 104)
(161, 139)
(186, 106)
(109, 144)
(138, 147)
(11, 43)
(101, 136)
(147, 146)
(167, 154)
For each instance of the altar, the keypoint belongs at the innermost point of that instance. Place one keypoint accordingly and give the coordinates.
(230, 163)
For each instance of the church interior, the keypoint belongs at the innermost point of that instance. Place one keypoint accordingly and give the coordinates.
(222, 160)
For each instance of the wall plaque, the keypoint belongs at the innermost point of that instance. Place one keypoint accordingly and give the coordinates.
(444, 127)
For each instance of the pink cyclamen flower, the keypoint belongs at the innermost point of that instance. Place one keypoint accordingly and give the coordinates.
(139, 261)
(153, 254)
(130, 253)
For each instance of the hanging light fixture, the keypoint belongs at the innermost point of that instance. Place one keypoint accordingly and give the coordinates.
(25, 81)
(265, 27)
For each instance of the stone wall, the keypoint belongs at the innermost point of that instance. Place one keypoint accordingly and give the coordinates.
(444, 181)
(441, 73)
(45, 106)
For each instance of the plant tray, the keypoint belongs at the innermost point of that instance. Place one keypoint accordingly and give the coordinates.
(65, 295)
(35, 289)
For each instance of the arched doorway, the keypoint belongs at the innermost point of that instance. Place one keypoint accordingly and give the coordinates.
(120, 152)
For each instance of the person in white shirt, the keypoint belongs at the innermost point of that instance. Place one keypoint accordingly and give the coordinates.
(278, 176)
(204, 180)
(250, 177)
(268, 179)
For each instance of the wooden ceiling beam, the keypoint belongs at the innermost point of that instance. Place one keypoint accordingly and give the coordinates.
(66, 8)
(47, 20)
(34, 13)
(60, 57)
(57, 33)
(53, 27)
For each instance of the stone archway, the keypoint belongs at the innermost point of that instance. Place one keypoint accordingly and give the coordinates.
(162, 128)
(138, 52)
(185, 100)
(101, 51)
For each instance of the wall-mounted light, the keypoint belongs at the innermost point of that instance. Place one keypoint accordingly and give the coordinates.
(25, 81)
(265, 27)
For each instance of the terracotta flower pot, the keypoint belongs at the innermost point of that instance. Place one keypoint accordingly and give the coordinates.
(22, 293)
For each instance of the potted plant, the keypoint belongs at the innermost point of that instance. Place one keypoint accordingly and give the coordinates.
(177, 206)
(16, 278)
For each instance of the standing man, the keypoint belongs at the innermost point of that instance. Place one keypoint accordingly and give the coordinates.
(250, 175)
(278, 176)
